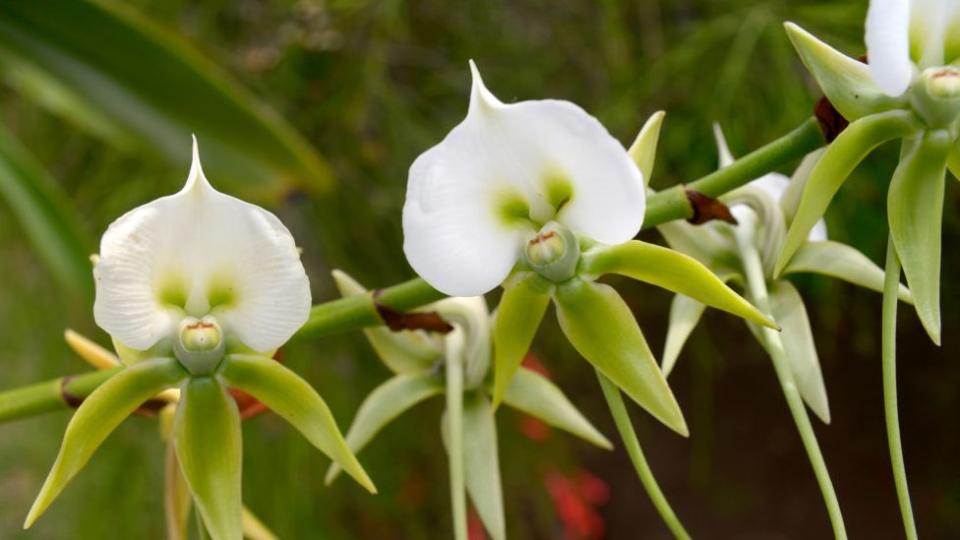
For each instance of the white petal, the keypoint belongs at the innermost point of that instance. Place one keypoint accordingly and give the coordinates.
(775, 185)
(200, 251)
(933, 23)
(724, 157)
(888, 46)
(455, 235)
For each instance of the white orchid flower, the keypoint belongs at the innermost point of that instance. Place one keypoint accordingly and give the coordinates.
(906, 37)
(477, 198)
(201, 258)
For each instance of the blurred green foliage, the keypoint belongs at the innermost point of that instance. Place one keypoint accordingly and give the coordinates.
(371, 84)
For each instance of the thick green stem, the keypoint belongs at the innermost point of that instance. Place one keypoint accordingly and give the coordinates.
(672, 203)
(757, 288)
(52, 395)
(891, 286)
(629, 437)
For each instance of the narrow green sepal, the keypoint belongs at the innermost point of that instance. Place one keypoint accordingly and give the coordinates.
(291, 397)
(842, 262)
(685, 313)
(799, 346)
(915, 214)
(537, 396)
(644, 147)
(209, 448)
(601, 327)
(833, 168)
(481, 464)
(99, 414)
(382, 406)
(524, 301)
(673, 271)
(847, 82)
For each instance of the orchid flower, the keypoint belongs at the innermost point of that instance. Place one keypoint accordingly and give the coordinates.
(762, 209)
(457, 365)
(539, 198)
(909, 90)
(197, 290)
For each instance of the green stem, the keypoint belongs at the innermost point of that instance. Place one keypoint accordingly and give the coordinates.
(458, 493)
(52, 395)
(629, 437)
(672, 203)
(891, 286)
(757, 288)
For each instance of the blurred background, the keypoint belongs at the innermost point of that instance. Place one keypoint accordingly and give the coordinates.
(316, 109)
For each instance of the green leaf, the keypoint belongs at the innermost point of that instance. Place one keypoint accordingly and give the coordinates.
(842, 262)
(601, 327)
(46, 216)
(537, 396)
(644, 147)
(210, 451)
(524, 301)
(915, 213)
(99, 414)
(291, 397)
(847, 83)
(406, 351)
(798, 344)
(833, 168)
(673, 271)
(481, 465)
(685, 313)
(386, 402)
(159, 90)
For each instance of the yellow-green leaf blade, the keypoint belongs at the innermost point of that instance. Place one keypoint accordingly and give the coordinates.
(97, 417)
(601, 327)
(209, 448)
(291, 397)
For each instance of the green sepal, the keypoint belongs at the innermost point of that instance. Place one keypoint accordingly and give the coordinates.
(847, 82)
(685, 313)
(99, 414)
(842, 262)
(253, 528)
(524, 301)
(673, 271)
(382, 406)
(953, 160)
(406, 351)
(209, 448)
(833, 168)
(790, 199)
(799, 346)
(537, 396)
(291, 397)
(601, 327)
(915, 214)
(704, 243)
(481, 465)
(644, 147)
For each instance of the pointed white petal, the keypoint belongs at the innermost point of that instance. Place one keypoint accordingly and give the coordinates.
(472, 200)
(888, 45)
(931, 24)
(198, 252)
(723, 150)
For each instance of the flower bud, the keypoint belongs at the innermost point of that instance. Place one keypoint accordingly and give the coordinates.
(554, 252)
(199, 345)
(943, 82)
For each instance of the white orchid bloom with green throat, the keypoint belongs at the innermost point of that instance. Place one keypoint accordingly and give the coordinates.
(457, 365)
(538, 197)
(198, 289)
(909, 90)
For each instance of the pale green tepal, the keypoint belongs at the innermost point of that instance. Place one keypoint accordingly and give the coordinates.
(763, 209)
(909, 90)
(536, 196)
(457, 365)
(198, 290)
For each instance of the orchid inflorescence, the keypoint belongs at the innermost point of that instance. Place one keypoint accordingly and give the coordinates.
(198, 290)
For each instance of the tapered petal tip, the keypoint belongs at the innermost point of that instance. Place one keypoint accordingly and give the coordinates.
(481, 99)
